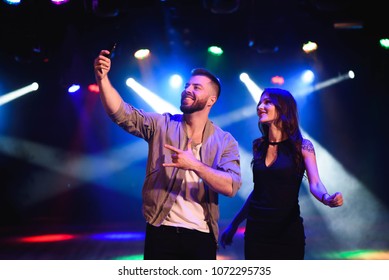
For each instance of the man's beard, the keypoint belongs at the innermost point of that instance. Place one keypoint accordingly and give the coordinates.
(195, 107)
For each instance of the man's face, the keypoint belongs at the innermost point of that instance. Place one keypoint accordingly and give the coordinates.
(195, 96)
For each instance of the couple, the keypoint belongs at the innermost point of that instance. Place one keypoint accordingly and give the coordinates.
(191, 161)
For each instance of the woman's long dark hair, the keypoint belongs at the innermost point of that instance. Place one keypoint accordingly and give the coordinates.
(287, 120)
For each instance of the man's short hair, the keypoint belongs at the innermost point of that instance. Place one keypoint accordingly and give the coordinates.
(212, 77)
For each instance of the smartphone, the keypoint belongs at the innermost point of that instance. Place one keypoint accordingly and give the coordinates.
(111, 52)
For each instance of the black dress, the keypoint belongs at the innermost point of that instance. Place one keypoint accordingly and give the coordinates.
(274, 227)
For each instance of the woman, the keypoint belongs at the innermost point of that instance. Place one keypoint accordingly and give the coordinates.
(281, 157)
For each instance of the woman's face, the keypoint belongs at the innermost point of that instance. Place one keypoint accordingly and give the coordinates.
(266, 110)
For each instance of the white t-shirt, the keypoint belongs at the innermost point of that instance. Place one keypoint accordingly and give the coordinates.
(187, 211)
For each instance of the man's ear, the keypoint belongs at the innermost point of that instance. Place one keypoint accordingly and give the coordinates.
(211, 100)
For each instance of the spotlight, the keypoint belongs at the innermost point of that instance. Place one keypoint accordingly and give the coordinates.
(73, 88)
(18, 93)
(59, 2)
(215, 50)
(309, 47)
(142, 54)
(307, 77)
(13, 2)
(176, 81)
(384, 42)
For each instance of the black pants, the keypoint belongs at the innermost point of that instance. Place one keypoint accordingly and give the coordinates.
(175, 243)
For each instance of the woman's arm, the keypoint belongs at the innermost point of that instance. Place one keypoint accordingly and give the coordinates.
(229, 232)
(316, 186)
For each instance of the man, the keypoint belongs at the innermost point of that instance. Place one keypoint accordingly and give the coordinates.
(190, 162)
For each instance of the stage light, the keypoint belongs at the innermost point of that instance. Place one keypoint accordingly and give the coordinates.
(307, 77)
(244, 77)
(130, 257)
(18, 93)
(157, 103)
(252, 87)
(348, 25)
(73, 88)
(176, 81)
(362, 254)
(309, 47)
(142, 54)
(215, 50)
(12, 2)
(44, 238)
(384, 42)
(123, 236)
(278, 80)
(59, 2)
(349, 75)
(93, 88)
(234, 116)
(82, 167)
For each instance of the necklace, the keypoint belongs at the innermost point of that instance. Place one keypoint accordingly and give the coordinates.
(275, 143)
